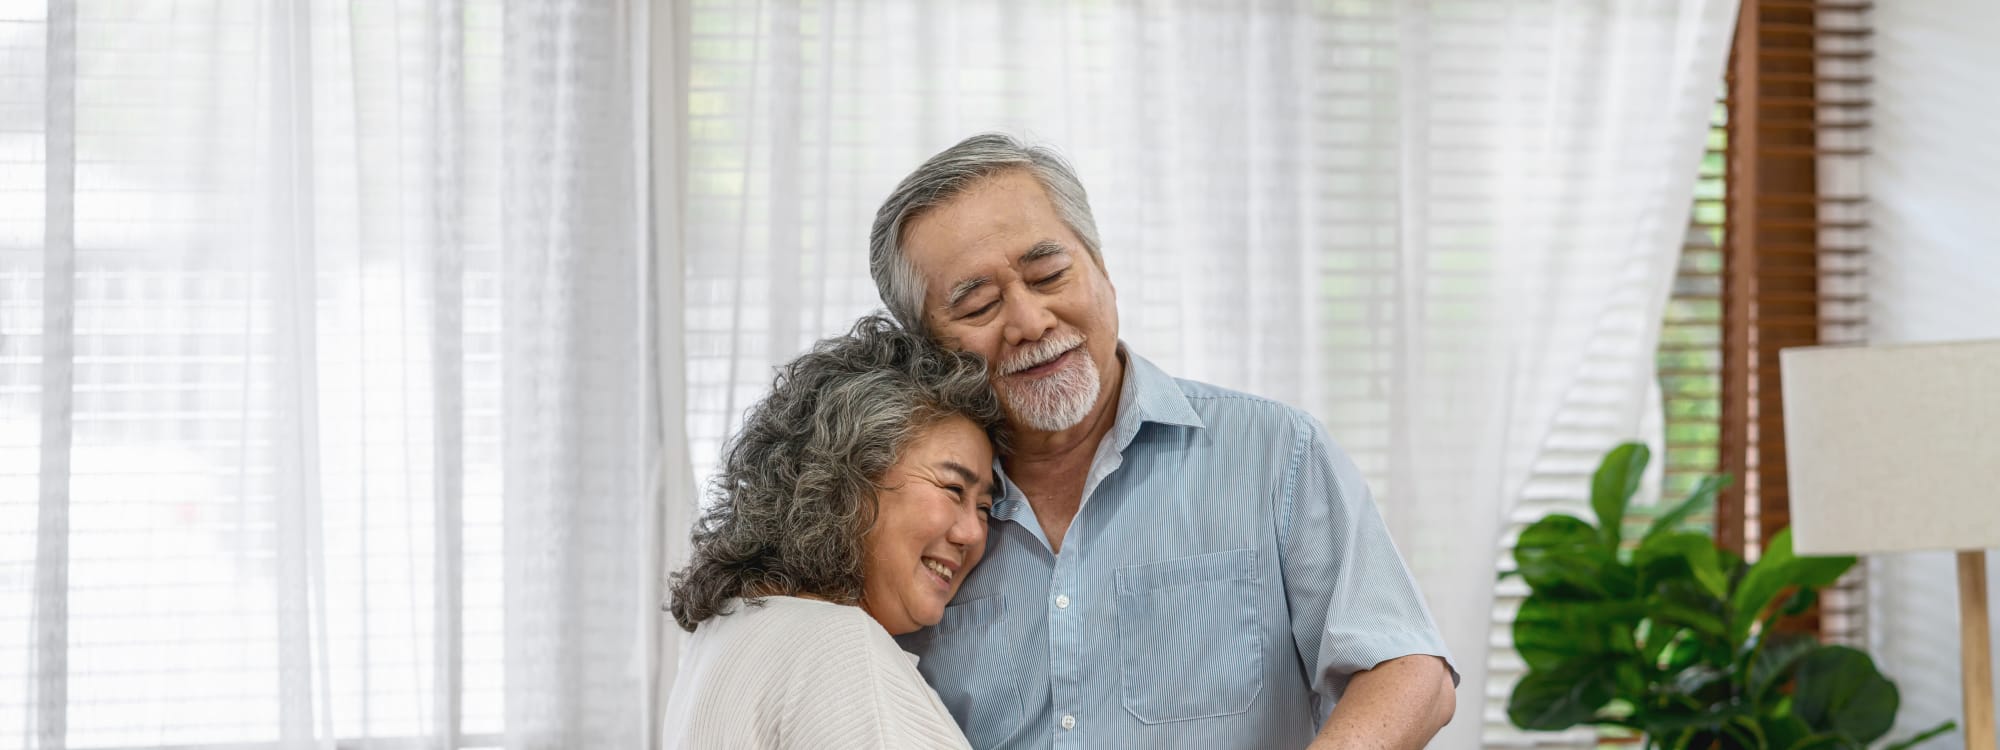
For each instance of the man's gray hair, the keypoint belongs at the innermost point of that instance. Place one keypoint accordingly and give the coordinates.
(946, 175)
(796, 492)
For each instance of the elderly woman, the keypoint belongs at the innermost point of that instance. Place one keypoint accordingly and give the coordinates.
(847, 511)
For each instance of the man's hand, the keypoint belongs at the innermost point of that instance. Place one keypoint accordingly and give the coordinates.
(1401, 704)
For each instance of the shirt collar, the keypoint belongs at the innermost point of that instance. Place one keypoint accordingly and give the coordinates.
(1147, 394)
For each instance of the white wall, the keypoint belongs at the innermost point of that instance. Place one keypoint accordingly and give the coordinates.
(1933, 180)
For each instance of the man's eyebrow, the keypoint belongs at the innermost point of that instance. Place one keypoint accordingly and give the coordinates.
(1043, 249)
(963, 288)
(992, 488)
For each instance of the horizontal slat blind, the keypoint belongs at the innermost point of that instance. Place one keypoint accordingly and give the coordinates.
(1842, 73)
(1690, 352)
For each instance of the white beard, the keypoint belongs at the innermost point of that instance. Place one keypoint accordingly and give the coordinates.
(1056, 401)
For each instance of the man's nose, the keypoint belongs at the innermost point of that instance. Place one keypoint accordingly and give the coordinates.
(1028, 321)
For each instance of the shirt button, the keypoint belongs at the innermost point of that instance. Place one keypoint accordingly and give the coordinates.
(1069, 722)
(1062, 602)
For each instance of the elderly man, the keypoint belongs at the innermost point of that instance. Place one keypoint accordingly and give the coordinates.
(1173, 564)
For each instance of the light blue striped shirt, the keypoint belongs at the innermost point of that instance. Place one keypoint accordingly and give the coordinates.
(1226, 574)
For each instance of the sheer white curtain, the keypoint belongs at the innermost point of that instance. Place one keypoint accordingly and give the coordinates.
(327, 399)
(1447, 228)
(1932, 275)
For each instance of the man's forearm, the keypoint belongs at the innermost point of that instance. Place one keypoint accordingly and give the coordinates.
(1400, 704)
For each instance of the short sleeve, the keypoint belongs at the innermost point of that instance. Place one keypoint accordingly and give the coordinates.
(1354, 603)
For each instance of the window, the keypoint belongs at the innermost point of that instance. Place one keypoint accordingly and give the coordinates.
(1795, 263)
(184, 603)
(1773, 259)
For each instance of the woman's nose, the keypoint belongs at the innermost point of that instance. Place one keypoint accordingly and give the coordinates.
(968, 528)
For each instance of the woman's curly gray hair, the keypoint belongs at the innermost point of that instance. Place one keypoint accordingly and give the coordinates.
(797, 488)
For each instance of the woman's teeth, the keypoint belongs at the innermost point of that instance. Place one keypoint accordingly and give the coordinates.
(938, 568)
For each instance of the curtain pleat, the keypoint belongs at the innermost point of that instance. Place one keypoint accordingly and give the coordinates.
(344, 404)
(666, 85)
(579, 516)
(291, 267)
(50, 618)
(447, 307)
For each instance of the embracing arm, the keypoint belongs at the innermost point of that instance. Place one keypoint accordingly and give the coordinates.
(1401, 703)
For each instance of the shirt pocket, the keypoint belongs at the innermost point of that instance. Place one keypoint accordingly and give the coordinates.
(969, 663)
(1188, 638)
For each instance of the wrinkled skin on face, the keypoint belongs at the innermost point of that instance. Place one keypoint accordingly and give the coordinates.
(1005, 278)
(930, 525)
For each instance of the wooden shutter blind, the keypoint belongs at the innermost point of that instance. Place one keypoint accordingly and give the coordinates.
(1690, 352)
(1793, 258)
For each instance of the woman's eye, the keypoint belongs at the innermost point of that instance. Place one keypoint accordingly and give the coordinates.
(986, 509)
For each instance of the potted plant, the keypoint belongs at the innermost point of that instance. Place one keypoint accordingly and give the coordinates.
(1671, 637)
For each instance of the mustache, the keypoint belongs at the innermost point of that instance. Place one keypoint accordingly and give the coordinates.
(1041, 353)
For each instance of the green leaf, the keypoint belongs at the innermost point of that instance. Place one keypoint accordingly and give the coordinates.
(1697, 550)
(1772, 573)
(1654, 637)
(1697, 501)
(1611, 489)
(1746, 731)
(1709, 718)
(1687, 604)
(1559, 556)
(1759, 585)
(1703, 683)
(1797, 604)
(1627, 678)
(1681, 654)
(1550, 633)
(1840, 690)
(1820, 572)
(1556, 700)
(1784, 731)
(1669, 649)
(1827, 740)
(1926, 736)
(1776, 657)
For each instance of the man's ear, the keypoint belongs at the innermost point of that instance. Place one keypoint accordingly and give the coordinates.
(1105, 271)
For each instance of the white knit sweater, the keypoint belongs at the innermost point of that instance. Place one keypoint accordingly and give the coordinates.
(800, 673)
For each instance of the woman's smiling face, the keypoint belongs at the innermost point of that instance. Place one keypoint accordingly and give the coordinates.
(930, 525)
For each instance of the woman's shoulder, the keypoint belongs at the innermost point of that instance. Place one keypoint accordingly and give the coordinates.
(804, 649)
(857, 684)
(776, 626)
(796, 614)
(826, 670)
(777, 646)
(811, 635)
